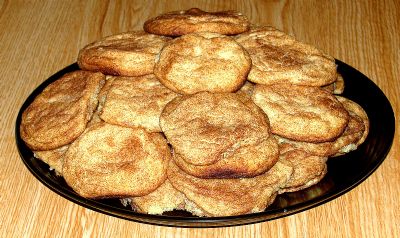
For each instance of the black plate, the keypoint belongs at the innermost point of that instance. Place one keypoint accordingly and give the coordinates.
(344, 172)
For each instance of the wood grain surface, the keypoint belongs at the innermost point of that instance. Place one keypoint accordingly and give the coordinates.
(38, 38)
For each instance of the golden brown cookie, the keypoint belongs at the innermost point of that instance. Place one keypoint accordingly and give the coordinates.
(355, 133)
(54, 158)
(103, 93)
(280, 58)
(204, 128)
(307, 170)
(248, 161)
(102, 99)
(336, 87)
(195, 20)
(164, 198)
(127, 54)
(339, 85)
(301, 113)
(202, 62)
(358, 114)
(228, 197)
(114, 161)
(136, 101)
(59, 114)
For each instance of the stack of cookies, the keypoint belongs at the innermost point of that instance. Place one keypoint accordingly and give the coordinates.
(199, 112)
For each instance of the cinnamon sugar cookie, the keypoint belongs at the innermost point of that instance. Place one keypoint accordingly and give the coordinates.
(345, 143)
(54, 158)
(126, 54)
(202, 62)
(59, 114)
(136, 101)
(204, 128)
(358, 114)
(307, 170)
(301, 113)
(103, 93)
(354, 134)
(336, 87)
(195, 20)
(229, 197)
(339, 85)
(279, 58)
(113, 161)
(164, 198)
(248, 161)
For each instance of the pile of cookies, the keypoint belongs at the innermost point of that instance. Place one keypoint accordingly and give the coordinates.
(199, 112)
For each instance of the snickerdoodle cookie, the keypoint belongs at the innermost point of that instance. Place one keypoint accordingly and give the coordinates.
(207, 127)
(126, 54)
(228, 197)
(136, 101)
(301, 113)
(307, 169)
(114, 161)
(279, 58)
(195, 20)
(202, 62)
(248, 161)
(54, 158)
(354, 134)
(358, 114)
(164, 198)
(59, 114)
(337, 87)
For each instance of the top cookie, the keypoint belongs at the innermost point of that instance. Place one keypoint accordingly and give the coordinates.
(126, 54)
(279, 58)
(202, 61)
(195, 20)
(59, 114)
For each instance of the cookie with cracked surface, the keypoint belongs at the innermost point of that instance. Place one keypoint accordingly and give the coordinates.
(358, 114)
(136, 101)
(59, 114)
(207, 127)
(54, 158)
(202, 62)
(280, 58)
(195, 20)
(126, 54)
(229, 197)
(165, 198)
(354, 134)
(114, 161)
(301, 113)
(248, 161)
(308, 170)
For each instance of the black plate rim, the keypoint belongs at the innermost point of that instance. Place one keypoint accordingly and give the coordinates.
(195, 222)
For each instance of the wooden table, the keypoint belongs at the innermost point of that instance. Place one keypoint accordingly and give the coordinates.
(38, 38)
